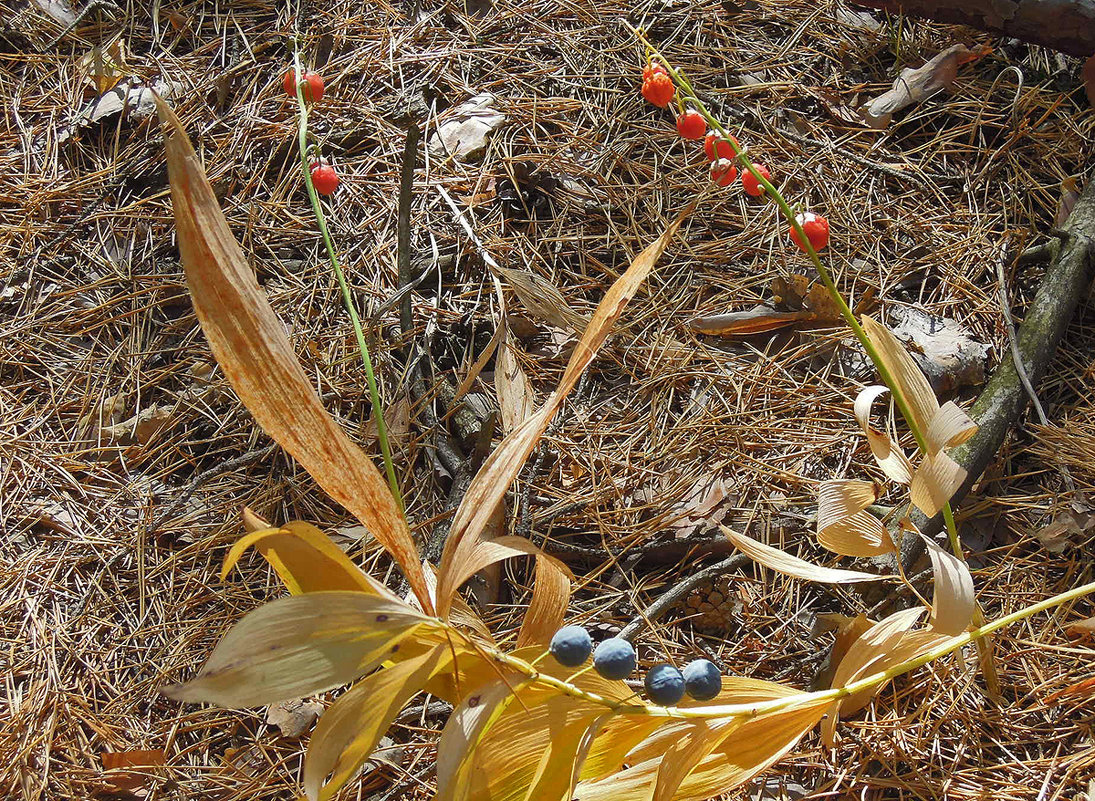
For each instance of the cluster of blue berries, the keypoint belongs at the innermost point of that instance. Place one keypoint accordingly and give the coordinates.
(615, 659)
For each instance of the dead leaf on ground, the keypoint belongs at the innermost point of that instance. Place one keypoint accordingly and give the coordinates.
(397, 419)
(1068, 528)
(916, 85)
(702, 508)
(105, 66)
(757, 320)
(785, 563)
(293, 717)
(515, 393)
(127, 773)
(1082, 628)
(1070, 187)
(464, 131)
(790, 291)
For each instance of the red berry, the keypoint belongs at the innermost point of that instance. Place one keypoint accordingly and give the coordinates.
(750, 183)
(650, 70)
(691, 125)
(725, 151)
(324, 178)
(659, 89)
(816, 229)
(313, 85)
(723, 172)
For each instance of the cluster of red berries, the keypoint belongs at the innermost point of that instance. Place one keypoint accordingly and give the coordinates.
(722, 153)
(324, 177)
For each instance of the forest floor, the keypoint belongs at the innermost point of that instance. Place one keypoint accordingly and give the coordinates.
(125, 458)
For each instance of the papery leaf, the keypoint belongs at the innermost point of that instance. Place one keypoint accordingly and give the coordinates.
(350, 729)
(515, 393)
(934, 483)
(249, 342)
(301, 645)
(496, 475)
(464, 730)
(548, 605)
(747, 323)
(685, 755)
(911, 383)
(305, 559)
(485, 553)
(842, 524)
(893, 461)
(783, 562)
(884, 645)
(953, 602)
(747, 748)
(951, 426)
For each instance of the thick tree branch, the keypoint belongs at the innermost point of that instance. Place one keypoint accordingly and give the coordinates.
(1004, 398)
(1064, 25)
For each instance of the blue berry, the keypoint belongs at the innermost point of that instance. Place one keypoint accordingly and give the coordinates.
(571, 646)
(702, 679)
(614, 658)
(664, 684)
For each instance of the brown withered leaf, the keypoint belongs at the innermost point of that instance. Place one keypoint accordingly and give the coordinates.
(821, 303)
(911, 382)
(127, 773)
(105, 66)
(790, 291)
(843, 525)
(889, 455)
(757, 320)
(494, 478)
(544, 300)
(250, 344)
(916, 85)
(515, 393)
(953, 601)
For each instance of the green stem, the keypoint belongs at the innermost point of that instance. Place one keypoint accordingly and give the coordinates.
(347, 298)
(884, 373)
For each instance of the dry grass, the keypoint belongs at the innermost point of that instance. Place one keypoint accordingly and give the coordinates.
(103, 600)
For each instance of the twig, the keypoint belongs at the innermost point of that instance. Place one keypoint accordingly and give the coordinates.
(669, 599)
(1017, 359)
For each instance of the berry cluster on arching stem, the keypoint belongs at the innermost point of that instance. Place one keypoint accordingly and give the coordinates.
(615, 659)
(723, 150)
(324, 176)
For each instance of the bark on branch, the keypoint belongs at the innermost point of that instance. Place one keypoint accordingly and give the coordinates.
(1064, 25)
(1004, 398)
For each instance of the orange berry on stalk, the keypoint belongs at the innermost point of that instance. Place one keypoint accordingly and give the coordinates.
(324, 178)
(715, 146)
(691, 125)
(652, 69)
(750, 183)
(659, 89)
(313, 85)
(816, 229)
(723, 172)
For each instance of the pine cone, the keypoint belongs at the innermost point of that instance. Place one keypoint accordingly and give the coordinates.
(713, 606)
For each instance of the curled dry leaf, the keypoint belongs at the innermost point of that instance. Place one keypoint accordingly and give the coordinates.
(543, 299)
(934, 483)
(916, 85)
(494, 478)
(250, 344)
(893, 461)
(783, 562)
(548, 605)
(911, 384)
(305, 559)
(843, 525)
(953, 602)
(951, 426)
